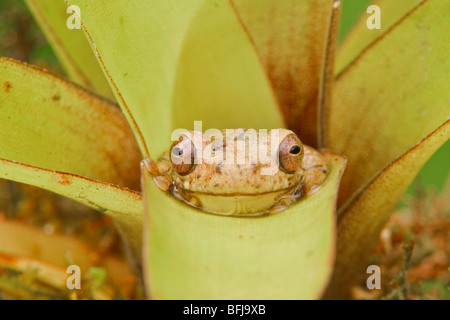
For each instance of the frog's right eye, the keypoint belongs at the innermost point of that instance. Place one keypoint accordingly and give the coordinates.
(182, 155)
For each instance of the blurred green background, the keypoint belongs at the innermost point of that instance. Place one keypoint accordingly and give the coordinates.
(20, 38)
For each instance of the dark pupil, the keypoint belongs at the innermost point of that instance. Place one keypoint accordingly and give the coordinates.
(294, 149)
(177, 151)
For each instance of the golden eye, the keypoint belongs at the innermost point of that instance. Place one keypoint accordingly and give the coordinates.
(290, 153)
(182, 155)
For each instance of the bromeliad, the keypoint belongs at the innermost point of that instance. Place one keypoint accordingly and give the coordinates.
(233, 64)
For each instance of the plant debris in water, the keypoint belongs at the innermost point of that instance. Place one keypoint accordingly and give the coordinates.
(413, 251)
(53, 214)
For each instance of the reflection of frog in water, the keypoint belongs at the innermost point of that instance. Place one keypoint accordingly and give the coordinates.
(239, 187)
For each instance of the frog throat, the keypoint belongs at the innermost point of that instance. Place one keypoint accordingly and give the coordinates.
(238, 204)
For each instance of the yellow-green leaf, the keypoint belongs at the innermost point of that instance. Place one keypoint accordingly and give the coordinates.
(360, 223)
(186, 60)
(124, 205)
(50, 123)
(295, 43)
(190, 254)
(61, 138)
(360, 37)
(70, 45)
(392, 96)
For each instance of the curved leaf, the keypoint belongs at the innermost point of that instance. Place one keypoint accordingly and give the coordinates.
(360, 223)
(295, 41)
(70, 45)
(123, 205)
(172, 62)
(50, 123)
(392, 96)
(55, 134)
(189, 254)
(360, 37)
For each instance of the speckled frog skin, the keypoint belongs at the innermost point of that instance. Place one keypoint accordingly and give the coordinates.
(232, 180)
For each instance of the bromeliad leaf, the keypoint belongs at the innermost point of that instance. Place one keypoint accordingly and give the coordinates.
(392, 95)
(360, 37)
(295, 41)
(70, 45)
(61, 138)
(190, 254)
(186, 58)
(50, 123)
(360, 223)
(122, 204)
(377, 123)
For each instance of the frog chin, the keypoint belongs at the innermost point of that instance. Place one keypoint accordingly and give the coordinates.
(241, 204)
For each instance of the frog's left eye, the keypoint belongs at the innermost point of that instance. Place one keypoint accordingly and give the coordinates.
(290, 153)
(182, 155)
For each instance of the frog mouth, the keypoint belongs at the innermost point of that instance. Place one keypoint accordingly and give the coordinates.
(239, 204)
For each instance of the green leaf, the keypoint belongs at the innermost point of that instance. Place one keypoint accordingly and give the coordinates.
(61, 138)
(70, 45)
(295, 41)
(392, 96)
(360, 37)
(50, 123)
(186, 60)
(360, 223)
(124, 205)
(190, 254)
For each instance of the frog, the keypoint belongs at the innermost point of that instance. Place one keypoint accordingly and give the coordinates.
(246, 186)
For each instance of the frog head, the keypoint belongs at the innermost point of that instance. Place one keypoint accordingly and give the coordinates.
(238, 172)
